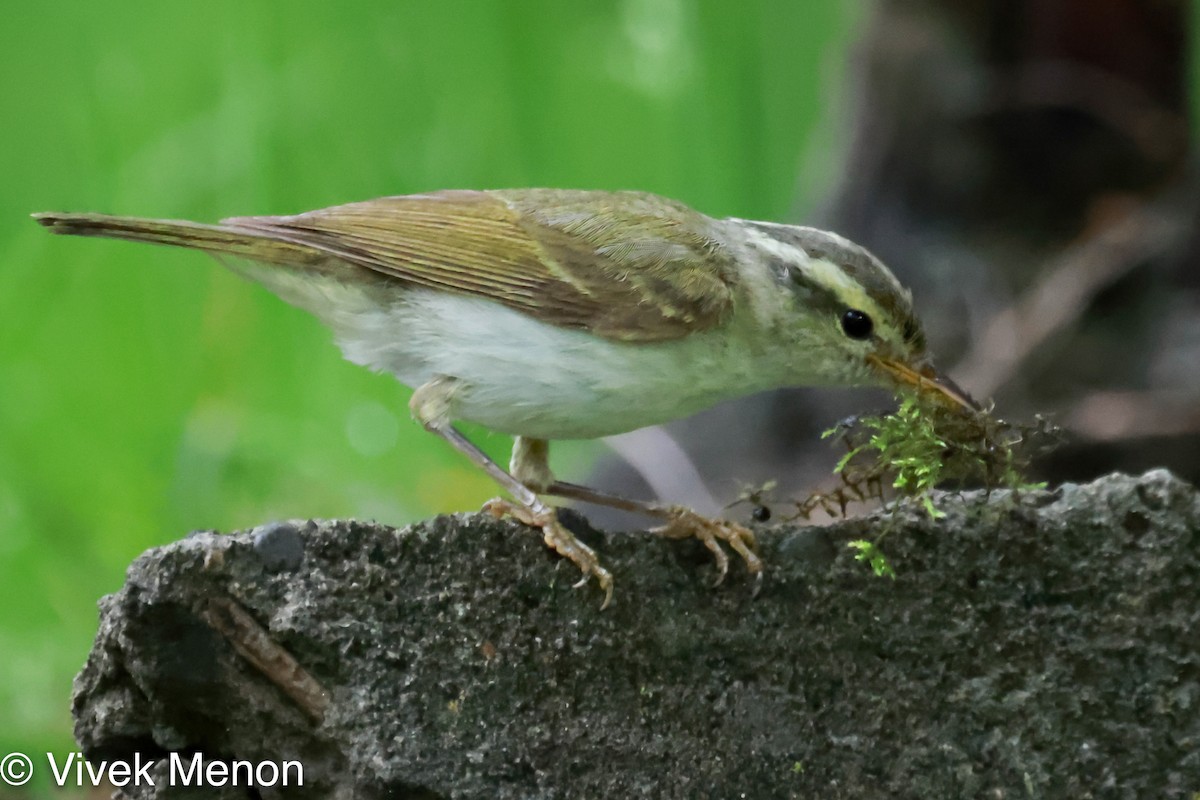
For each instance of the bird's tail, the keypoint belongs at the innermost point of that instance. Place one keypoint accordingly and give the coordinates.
(223, 239)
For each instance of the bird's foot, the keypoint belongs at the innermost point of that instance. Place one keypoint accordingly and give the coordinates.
(687, 524)
(558, 539)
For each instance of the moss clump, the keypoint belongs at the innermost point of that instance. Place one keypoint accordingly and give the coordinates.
(902, 456)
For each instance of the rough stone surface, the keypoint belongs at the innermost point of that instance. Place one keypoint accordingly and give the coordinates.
(1042, 648)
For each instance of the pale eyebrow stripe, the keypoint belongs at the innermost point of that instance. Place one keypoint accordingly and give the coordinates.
(856, 276)
(826, 284)
(819, 276)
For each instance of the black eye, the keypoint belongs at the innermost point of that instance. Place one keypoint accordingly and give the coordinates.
(856, 324)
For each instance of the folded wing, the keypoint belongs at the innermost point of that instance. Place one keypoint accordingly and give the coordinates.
(624, 265)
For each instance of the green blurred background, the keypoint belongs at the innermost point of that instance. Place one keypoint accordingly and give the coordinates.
(145, 392)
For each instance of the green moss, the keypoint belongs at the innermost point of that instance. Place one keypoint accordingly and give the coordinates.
(917, 448)
(902, 456)
(869, 552)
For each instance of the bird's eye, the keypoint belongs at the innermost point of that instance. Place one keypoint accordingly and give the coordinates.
(856, 324)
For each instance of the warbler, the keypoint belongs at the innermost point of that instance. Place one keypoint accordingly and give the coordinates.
(560, 314)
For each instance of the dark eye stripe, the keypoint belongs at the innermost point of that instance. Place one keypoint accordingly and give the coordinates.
(913, 334)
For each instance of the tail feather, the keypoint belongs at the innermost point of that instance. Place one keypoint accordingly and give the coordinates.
(225, 239)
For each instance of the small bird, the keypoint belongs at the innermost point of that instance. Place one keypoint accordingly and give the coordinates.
(559, 314)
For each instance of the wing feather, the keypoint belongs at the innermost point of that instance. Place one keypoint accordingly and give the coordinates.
(623, 265)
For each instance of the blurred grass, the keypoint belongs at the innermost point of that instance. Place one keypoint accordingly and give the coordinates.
(146, 392)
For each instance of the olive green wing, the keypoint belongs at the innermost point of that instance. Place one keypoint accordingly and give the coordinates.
(626, 266)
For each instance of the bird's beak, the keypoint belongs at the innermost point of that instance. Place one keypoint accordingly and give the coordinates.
(927, 381)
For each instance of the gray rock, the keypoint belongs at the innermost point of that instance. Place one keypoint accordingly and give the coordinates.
(280, 545)
(1046, 647)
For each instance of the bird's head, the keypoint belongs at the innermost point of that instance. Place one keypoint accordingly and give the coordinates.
(853, 316)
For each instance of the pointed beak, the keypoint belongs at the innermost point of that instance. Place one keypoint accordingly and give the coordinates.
(927, 382)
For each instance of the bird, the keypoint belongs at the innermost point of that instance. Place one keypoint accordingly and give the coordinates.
(552, 314)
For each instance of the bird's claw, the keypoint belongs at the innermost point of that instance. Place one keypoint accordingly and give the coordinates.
(560, 540)
(687, 524)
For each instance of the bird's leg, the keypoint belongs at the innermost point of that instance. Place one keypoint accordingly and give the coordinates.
(531, 466)
(681, 523)
(530, 463)
(430, 405)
